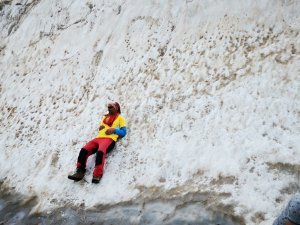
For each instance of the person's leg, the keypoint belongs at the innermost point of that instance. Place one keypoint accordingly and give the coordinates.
(104, 144)
(111, 147)
(90, 148)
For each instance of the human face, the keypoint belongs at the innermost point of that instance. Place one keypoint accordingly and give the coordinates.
(111, 110)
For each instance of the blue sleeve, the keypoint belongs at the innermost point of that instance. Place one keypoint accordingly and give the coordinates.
(121, 132)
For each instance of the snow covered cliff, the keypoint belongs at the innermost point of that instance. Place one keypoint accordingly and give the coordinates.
(210, 90)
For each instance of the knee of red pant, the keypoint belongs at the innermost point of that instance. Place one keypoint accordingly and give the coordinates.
(100, 157)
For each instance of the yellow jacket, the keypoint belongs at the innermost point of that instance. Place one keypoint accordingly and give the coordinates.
(119, 125)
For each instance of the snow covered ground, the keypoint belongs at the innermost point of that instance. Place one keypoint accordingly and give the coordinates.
(210, 91)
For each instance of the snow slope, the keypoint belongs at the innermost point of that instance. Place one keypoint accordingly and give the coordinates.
(210, 91)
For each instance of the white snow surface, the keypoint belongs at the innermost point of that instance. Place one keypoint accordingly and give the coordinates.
(210, 90)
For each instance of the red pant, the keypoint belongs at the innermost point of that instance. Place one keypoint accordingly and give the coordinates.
(100, 146)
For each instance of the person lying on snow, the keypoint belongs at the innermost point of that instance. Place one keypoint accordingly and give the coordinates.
(112, 127)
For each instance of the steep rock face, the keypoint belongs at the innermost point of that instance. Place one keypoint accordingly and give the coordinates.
(210, 91)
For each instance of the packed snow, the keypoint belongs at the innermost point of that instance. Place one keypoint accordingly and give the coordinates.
(210, 91)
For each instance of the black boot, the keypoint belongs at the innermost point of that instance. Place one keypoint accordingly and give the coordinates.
(96, 180)
(78, 175)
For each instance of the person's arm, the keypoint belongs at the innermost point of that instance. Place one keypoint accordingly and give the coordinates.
(101, 124)
(121, 131)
